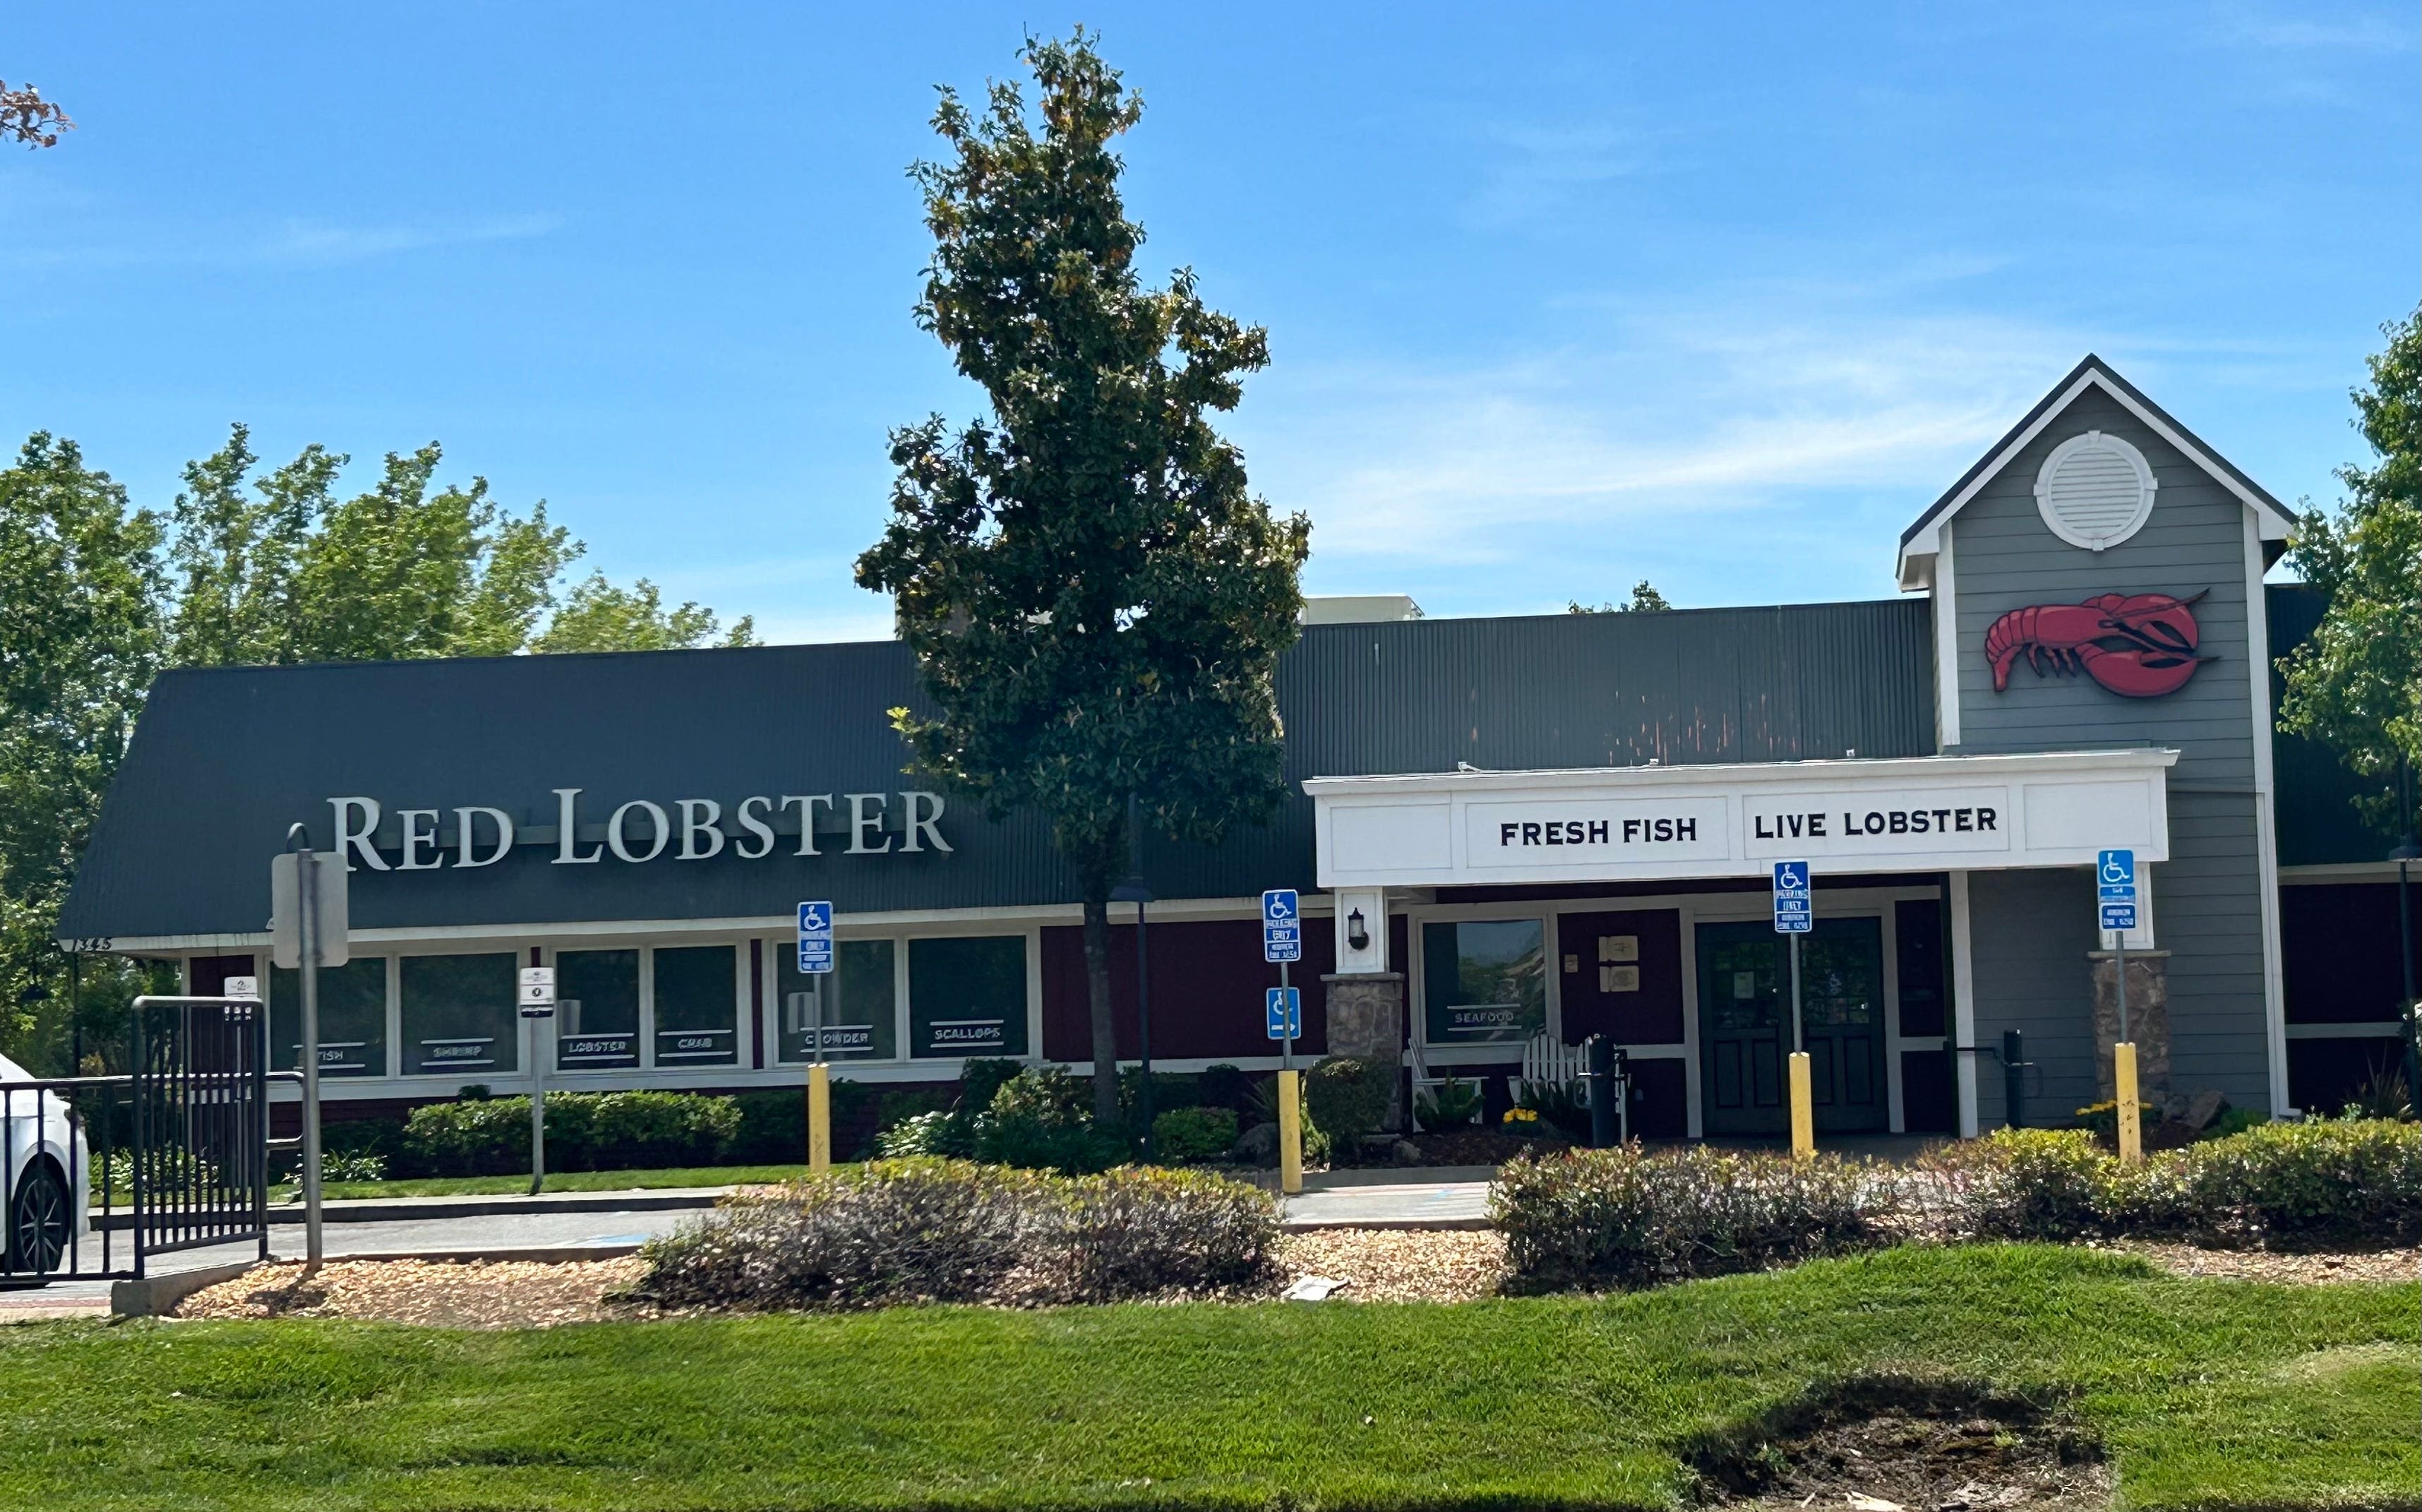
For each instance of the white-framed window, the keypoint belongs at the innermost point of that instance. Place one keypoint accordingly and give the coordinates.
(2095, 491)
(1483, 981)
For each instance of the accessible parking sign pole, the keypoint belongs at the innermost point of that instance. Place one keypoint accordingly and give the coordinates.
(816, 961)
(2115, 876)
(1794, 916)
(1283, 942)
(308, 928)
(538, 1009)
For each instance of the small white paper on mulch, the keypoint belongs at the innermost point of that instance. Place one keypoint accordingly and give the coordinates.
(1315, 1289)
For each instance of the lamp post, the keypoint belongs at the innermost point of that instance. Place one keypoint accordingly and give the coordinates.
(2406, 853)
(1133, 891)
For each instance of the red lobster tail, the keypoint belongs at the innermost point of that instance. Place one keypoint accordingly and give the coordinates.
(2005, 639)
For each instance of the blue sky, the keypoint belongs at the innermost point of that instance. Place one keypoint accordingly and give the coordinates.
(1559, 297)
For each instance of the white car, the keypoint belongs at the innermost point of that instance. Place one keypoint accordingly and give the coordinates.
(46, 1210)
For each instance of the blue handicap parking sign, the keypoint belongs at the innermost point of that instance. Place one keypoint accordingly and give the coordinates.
(1283, 1010)
(1281, 929)
(2115, 888)
(1794, 907)
(815, 938)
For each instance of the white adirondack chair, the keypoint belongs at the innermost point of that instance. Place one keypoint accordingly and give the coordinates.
(1549, 1061)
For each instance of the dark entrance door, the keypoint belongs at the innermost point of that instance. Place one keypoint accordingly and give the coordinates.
(1745, 1025)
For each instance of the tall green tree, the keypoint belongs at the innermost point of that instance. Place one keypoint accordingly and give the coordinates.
(2357, 683)
(1095, 598)
(598, 616)
(273, 568)
(80, 637)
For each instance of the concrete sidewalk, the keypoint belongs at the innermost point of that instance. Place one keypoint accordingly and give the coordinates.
(1426, 1205)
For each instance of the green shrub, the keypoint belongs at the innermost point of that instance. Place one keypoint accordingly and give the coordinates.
(1348, 1098)
(2021, 1184)
(474, 1137)
(920, 1134)
(1190, 1136)
(1631, 1217)
(2294, 1183)
(1136, 1232)
(894, 1231)
(1073, 1149)
(585, 1131)
(1452, 1104)
(2233, 1121)
(980, 1080)
(1224, 1086)
(1047, 1095)
(2299, 1182)
(352, 1167)
(913, 1231)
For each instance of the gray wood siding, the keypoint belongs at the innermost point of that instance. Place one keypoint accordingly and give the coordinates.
(2032, 932)
(2207, 898)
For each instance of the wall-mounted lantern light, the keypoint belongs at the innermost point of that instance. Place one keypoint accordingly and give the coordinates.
(1356, 934)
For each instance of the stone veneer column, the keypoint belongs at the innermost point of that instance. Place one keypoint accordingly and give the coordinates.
(2149, 1023)
(1366, 1020)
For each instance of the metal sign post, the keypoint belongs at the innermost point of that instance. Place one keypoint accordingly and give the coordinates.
(308, 928)
(538, 1007)
(816, 961)
(2115, 877)
(1283, 944)
(1795, 916)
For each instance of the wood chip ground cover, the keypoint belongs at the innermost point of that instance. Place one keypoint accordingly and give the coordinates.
(1375, 1265)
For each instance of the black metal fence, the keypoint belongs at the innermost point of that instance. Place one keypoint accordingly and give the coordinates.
(103, 1173)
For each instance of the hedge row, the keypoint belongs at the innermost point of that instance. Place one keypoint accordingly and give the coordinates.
(2339, 1180)
(1633, 1218)
(951, 1230)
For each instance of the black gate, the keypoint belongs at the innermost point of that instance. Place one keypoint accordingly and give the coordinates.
(104, 1173)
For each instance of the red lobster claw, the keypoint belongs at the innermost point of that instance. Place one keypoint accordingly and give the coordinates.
(2139, 647)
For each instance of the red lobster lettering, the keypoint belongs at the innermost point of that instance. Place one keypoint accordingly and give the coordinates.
(2139, 648)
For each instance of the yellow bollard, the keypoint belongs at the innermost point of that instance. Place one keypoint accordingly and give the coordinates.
(819, 1121)
(1290, 1133)
(1804, 1114)
(2123, 1078)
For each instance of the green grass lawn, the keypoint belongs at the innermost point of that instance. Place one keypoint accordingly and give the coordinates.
(2204, 1392)
(555, 1181)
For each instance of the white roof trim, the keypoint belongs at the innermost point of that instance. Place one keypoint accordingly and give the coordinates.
(2270, 522)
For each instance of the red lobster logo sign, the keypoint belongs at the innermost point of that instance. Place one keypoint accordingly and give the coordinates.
(2139, 648)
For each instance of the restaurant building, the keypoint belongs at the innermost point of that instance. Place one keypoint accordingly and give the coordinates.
(1503, 827)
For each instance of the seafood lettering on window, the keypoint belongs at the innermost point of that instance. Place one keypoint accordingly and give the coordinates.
(2139, 646)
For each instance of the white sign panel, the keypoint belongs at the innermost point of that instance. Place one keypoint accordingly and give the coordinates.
(1920, 813)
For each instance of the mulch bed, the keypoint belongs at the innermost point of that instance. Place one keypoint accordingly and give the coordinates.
(1377, 1264)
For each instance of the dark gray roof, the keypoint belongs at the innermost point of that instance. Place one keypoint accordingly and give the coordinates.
(223, 759)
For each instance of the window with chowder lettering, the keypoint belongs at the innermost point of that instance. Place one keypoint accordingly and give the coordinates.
(1483, 981)
(859, 1006)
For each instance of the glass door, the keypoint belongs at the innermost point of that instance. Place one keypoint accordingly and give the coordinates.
(1745, 1026)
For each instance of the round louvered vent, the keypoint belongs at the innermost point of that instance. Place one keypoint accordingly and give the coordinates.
(2095, 491)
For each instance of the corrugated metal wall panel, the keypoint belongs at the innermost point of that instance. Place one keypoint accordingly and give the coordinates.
(223, 759)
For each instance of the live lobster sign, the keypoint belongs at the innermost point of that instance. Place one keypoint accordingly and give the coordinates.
(2143, 646)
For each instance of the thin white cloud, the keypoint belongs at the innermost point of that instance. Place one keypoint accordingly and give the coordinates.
(1536, 171)
(320, 241)
(1709, 417)
(2361, 31)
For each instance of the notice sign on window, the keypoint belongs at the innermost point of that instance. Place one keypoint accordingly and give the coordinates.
(968, 1036)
